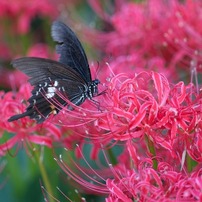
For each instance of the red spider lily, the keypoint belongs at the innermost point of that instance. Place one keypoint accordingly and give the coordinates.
(151, 29)
(150, 185)
(183, 37)
(157, 123)
(146, 105)
(194, 146)
(132, 108)
(142, 184)
(82, 175)
(23, 12)
(25, 130)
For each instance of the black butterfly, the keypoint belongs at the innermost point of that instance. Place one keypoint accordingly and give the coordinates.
(70, 77)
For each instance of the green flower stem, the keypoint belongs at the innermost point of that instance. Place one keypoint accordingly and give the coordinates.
(112, 157)
(151, 149)
(190, 163)
(44, 176)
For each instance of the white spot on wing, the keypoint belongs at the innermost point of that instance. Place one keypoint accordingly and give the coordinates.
(51, 92)
(55, 84)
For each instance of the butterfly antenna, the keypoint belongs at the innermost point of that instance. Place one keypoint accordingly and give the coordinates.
(97, 71)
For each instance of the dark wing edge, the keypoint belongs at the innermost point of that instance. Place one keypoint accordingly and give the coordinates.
(70, 49)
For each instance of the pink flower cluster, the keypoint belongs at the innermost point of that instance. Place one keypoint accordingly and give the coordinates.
(159, 122)
(134, 109)
(158, 35)
(156, 122)
(148, 184)
(22, 12)
(26, 131)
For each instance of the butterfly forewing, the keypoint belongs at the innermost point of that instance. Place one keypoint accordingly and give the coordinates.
(70, 49)
(40, 69)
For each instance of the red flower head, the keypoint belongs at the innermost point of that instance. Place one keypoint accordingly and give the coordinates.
(25, 130)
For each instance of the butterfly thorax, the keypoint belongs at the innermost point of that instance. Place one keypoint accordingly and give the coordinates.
(92, 89)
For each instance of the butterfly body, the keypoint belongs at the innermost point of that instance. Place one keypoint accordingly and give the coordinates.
(56, 82)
